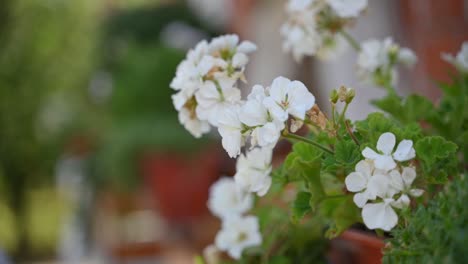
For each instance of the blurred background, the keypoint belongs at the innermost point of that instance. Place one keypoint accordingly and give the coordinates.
(94, 166)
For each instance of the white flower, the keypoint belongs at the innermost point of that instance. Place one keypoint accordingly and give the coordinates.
(266, 130)
(301, 40)
(460, 61)
(380, 215)
(298, 5)
(374, 54)
(214, 97)
(347, 8)
(358, 182)
(385, 145)
(187, 74)
(377, 60)
(253, 171)
(237, 234)
(227, 199)
(407, 57)
(288, 98)
(231, 130)
(226, 47)
(402, 182)
(195, 126)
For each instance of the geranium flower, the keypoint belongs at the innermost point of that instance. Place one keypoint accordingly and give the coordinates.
(231, 130)
(385, 160)
(238, 233)
(214, 97)
(266, 130)
(460, 61)
(288, 98)
(227, 198)
(346, 8)
(253, 171)
(195, 126)
(358, 182)
(381, 215)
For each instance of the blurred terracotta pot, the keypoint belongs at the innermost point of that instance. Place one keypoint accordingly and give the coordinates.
(356, 247)
(180, 183)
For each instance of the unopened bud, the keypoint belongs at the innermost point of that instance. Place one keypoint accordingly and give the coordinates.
(334, 96)
(350, 95)
(342, 93)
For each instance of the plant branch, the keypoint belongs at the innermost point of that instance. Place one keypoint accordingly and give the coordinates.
(350, 40)
(350, 132)
(306, 140)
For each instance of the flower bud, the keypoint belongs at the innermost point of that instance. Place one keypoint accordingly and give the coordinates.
(334, 96)
(350, 95)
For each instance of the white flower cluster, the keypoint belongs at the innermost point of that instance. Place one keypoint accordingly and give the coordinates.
(205, 81)
(229, 202)
(377, 60)
(460, 61)
(263, 116)
(312, 26)
(380, 179)
(207, 96)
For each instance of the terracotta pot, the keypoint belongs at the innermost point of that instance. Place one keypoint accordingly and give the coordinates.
(179, 183)
(356, 247)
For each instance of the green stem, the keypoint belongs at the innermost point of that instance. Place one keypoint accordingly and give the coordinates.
(351, 40)
(350, 132)
(343, 113)
(306, 140)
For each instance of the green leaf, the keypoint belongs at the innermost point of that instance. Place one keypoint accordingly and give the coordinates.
(373, 126)
(347, 153)
(341, 212)
(412, 109)
(301, 206)
(438, 158)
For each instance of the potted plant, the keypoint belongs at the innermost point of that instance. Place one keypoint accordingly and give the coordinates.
(374, 171)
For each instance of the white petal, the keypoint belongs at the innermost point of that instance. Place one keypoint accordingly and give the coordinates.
(379, 185)
(232, 141)
(408, 175)
(253, 113)
(264, 187)
(247, 47)
(276, 111)
(384, 162)
(268, 135)
(386, 143)
(404, 151)
(355, 182)
(402, 202)
(300, 99)
(279, 88)
(365, 167)
(380, 215)
(360, 199)
(396, 181)
(240, 60)
(416, 192)
(369, 153)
